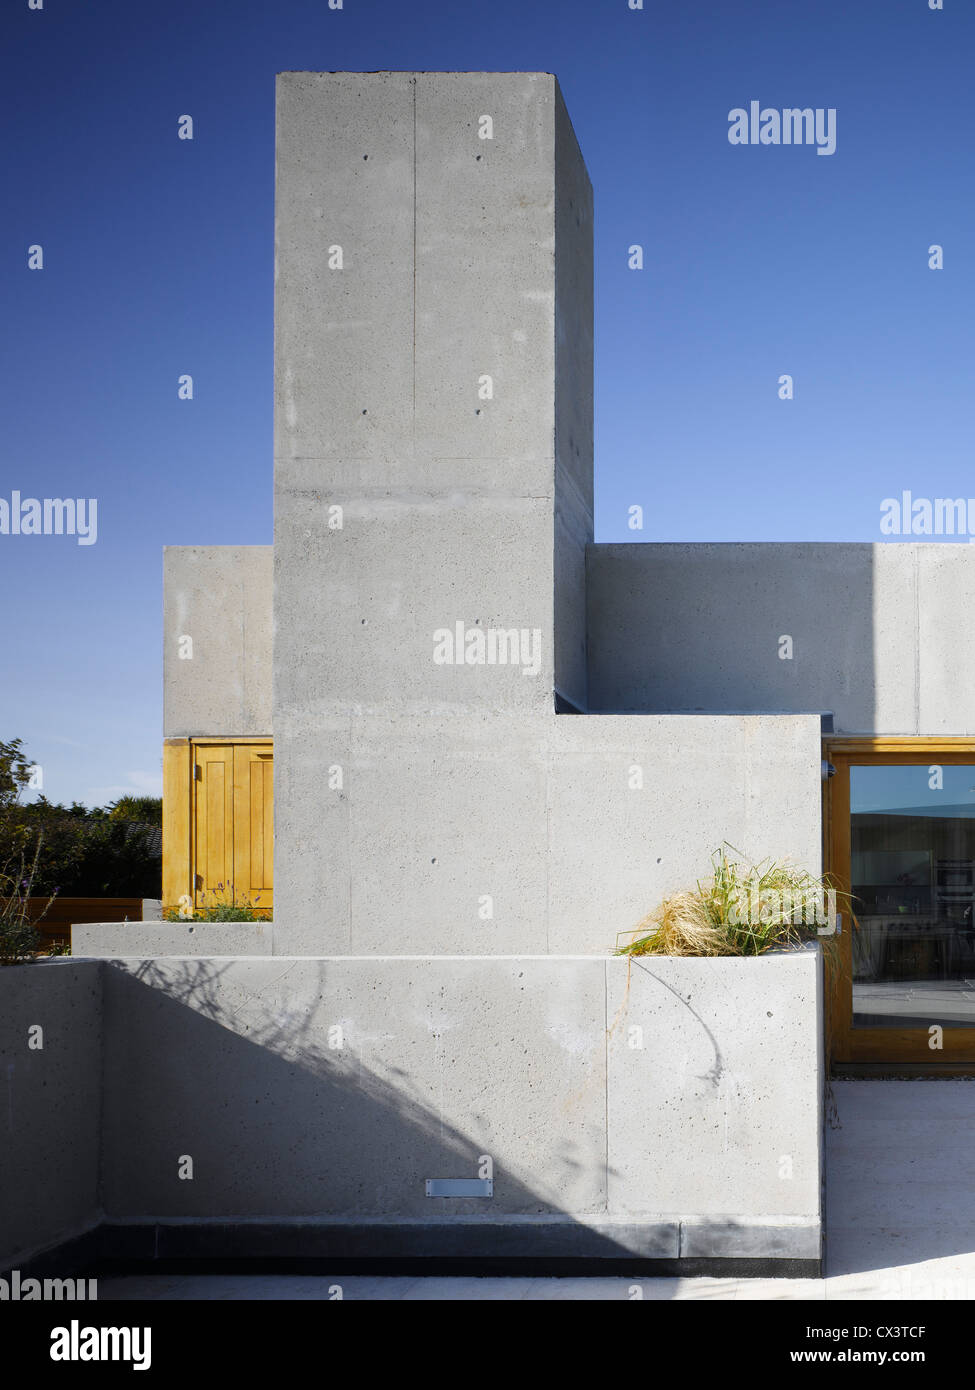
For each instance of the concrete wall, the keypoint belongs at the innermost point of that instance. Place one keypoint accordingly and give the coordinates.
(444, 807)
(877, 632)
(220, 596)
(463, 258)
(573, 406)
(453, 860)
(51, 1110)
(98, 940)
(327, 1091)
(545, 835)
(449, 274)
(566, 830)
(530, 1062)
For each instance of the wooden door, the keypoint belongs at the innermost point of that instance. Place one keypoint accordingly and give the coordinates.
(213, 858)
(233, 826)
(254, 825)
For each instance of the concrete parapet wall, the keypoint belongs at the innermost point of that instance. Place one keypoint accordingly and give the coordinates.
(51, 1112)
(661, 1108)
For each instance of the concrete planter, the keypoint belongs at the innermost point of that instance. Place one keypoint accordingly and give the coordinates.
(727, 1124)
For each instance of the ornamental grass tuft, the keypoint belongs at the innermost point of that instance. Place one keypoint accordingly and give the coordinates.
(741, 910)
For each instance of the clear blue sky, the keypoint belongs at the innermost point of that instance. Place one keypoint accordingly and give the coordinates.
(759, 261)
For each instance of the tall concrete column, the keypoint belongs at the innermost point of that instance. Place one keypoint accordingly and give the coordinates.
(433, 461)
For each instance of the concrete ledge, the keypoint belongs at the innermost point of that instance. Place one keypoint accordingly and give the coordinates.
(117, 940)
(518, 1237)
(522, 1246)
(676, 1242)
(710, 1237)
(485, 1238)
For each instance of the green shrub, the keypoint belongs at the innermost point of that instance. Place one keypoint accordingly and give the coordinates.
(75, 851)
(218, 906)
(85, 852)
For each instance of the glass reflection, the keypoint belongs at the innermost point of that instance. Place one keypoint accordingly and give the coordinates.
(913, 879)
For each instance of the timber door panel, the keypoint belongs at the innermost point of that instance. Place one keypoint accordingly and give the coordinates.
(233, 824)
(254, 825)
(213, 868)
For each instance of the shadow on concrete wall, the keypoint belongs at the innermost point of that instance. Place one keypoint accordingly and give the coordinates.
(729, 628)
(195, 1108)
(283, 1128)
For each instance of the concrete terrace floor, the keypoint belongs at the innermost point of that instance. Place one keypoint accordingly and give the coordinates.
(900, 1223)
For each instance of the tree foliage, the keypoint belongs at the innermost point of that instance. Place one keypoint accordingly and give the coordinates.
(109, 851)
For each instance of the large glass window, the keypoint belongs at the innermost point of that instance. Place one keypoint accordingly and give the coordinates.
(913, 879)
